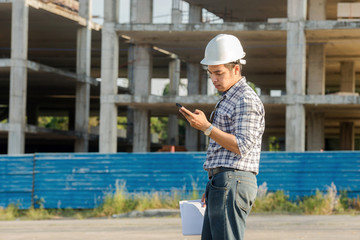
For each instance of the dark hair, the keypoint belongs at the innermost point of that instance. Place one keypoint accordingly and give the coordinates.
(231, 65)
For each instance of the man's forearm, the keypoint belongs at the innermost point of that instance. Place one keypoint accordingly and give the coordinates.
(226, 140)
(198, 121)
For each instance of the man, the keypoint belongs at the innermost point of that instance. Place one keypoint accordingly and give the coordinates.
(235, 129)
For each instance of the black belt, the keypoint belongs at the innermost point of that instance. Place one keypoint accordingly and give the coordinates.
(213, 171)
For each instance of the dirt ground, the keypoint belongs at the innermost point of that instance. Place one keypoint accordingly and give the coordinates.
(258, 228)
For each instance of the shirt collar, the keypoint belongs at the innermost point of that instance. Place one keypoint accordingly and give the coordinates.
(234, 88)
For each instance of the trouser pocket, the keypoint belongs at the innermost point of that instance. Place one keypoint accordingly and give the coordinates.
(216, 195)
(246, 191)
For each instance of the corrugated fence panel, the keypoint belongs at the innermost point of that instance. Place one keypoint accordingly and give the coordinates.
(301, 174)
(16, 180)
(82, 180)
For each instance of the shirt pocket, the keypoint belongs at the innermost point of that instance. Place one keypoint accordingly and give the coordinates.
(223, 120)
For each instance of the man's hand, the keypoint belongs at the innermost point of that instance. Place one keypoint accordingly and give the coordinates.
(197, 119)
(203, 200)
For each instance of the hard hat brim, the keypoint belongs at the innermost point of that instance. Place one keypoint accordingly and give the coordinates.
(208, 62)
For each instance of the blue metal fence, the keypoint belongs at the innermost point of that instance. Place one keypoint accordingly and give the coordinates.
(82, 180)
(16, 180)
(301, 174)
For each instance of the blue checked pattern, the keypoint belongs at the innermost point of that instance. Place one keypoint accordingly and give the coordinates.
(240, 112)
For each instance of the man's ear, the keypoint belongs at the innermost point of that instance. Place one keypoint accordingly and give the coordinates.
(237, 69)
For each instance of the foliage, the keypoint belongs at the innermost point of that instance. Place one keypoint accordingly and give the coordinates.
(159, 125)
(354, 203)
(276, 202)
(316, 204)
(253, 86)
(62, 123)
(116, 203)
(9, 213)
(121, 202)
(274, 144)
(37, 214)
(195, 192)
(121, 122)
(93, 121)
(320, 203)
(166, 90)
(59, 123)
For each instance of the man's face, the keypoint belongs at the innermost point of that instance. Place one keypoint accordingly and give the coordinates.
(223, 78)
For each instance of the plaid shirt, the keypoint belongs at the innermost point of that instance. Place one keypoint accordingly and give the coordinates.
(240, 112)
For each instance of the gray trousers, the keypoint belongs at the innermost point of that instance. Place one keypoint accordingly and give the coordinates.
(229, 197)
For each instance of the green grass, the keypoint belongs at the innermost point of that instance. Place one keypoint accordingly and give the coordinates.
(319, 204)
(276, 202)
(121, 201)
(9, 213)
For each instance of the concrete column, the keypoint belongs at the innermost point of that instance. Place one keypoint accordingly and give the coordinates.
(109, 76)
(315, 131)
(173, 121)
(191, 138)
(295, 74)
(347, 83)
(174, 76)
(193, 72)
(83, 65)
(193, 76)
(317, 10)
(203, 143)
(130, 125)
(130, 111)
(296, 48)
(295, 128)
(141, 140)
(347, 136)
(18, 77)
(192, 135)
(195, 14)
(203, 82)
(140, 81)
(176, 14)
(173, 130)
(142, 72)
(141, 11)
(316, 70)
(142, 69)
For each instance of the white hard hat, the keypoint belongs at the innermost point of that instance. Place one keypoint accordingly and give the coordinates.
(222, 49)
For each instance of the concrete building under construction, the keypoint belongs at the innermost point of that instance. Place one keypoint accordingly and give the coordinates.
(303, 56)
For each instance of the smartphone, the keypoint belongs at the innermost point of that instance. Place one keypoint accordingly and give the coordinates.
(180, 106)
